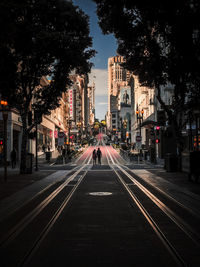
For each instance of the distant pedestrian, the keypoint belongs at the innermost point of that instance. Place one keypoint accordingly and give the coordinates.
(94, 156)
(44, 148)
(99, 154)
(13, 156)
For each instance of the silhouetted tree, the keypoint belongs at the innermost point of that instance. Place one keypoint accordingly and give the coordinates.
(161, 44)
(40, 39)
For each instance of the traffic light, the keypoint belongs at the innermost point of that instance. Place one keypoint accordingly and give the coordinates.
(157, 130)
(1, 146)
(157, 140)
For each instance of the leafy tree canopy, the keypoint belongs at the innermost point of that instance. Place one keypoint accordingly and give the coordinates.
(159, 39)
(41, 38)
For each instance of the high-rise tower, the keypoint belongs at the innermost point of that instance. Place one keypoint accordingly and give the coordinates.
(117, 76)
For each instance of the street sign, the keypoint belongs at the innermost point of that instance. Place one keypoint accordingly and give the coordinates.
(61, 134)
(60, 141)
(138, 138)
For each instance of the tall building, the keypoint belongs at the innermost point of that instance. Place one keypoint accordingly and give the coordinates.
(118, 76)
(91, 104)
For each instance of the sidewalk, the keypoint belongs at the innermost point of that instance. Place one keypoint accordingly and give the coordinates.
(16, 181)
(176, 178)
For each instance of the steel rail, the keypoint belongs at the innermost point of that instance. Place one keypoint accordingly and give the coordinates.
(191, 211)
(50, 224)
(174, 217)
(16, 230)
(172, 250)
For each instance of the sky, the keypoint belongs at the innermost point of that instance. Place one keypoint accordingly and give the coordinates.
(106, 47)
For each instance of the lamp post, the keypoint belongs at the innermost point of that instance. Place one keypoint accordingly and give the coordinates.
(4, 105)
(125, 121)
(69, 126)
(38, 120)
(79, 129)
(139, 114)
(196, 114)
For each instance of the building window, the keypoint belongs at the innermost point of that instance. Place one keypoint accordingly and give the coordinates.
(113, 121)
(114, 115)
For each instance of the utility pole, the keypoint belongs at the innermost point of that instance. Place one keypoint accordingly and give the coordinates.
(36, 145)
(38, 120)
(4, 105)
(139, 114)
(5, 119)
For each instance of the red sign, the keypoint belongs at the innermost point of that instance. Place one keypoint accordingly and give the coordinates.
(70, 102)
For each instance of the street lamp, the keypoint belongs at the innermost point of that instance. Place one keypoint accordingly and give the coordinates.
(196, 112)
(4, 108)
(79, 129)
(139, 114)
(38, 120)
(69, 126)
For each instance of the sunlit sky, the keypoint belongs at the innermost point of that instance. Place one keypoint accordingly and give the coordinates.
(106, 46)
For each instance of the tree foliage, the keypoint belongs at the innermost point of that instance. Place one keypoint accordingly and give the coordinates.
(161, 43)
(160, 39)
(40, 38)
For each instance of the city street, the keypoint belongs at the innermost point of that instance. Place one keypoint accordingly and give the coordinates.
(111, 214)
(99, 133)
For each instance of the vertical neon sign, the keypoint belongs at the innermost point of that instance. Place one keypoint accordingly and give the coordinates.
(71, 103)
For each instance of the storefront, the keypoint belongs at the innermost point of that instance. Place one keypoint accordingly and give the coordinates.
(44, 138)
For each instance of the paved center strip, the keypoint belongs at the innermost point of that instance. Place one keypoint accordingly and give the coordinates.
(101, 226)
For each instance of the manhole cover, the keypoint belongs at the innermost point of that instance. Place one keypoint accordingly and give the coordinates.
(100, 193)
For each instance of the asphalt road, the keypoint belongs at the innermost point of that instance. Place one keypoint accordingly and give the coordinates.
(108, 214)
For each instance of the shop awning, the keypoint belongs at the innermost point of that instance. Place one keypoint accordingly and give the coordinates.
(148, 123)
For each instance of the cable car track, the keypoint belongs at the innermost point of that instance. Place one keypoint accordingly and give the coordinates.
(64, 193)
(166, 195)
(137, 191)
(11, 236)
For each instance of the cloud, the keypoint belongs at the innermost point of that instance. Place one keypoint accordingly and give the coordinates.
(102, 103)
(101, 106)
(100, 78)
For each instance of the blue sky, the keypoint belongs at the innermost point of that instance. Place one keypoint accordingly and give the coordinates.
(106, 46)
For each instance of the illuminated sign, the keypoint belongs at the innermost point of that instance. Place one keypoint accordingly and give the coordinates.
(71, 103)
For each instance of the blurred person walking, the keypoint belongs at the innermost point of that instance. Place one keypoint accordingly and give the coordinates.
(94, 156)
(99, 154)
(13, 156)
